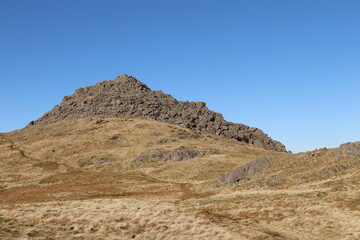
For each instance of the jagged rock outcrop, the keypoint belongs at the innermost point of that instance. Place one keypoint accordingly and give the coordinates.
(247, 170)
(349, 149)
(126, 96)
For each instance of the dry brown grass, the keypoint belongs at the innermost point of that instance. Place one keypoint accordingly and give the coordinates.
(51, 187)
(111, 219)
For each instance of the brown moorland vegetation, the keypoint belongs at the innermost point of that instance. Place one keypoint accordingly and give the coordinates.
(109, 178)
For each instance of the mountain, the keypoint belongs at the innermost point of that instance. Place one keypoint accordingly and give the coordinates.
(119, 161)
(127, 96)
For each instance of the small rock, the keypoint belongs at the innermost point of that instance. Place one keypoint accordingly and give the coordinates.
(162, 141)
(98, 161)
(314, 161)
(158, 154)
(114, 137)
(145, 157)
(141, 158)
(157, 134)
(274, 181)
(94, 161)
(100, 121)
(214, 151)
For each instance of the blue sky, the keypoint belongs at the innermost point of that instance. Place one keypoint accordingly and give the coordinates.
(290, 68)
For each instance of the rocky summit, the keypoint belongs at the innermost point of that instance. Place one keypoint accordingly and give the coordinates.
(128, 97)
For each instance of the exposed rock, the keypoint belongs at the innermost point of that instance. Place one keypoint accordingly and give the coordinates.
(100, 121)
(145, 157)
(94, 161)
(247, 170)
(314, 161)
(349, 149)
(274, 181)
(182, 154)
(162, 141)
(126, 96)
(214, 151)
(141, 158)
(329, 170)
(157, 134)
(186, 135)
(158, 154)
(115, 137)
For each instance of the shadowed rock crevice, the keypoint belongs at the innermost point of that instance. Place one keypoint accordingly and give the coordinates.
(126, 96)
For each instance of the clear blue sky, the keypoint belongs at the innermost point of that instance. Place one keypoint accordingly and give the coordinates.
(290, 68)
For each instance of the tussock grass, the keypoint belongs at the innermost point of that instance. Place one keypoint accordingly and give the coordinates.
(78, 180)
(112, 219)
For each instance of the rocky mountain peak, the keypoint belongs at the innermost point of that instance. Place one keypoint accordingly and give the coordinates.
(130, 81)
(127, 96)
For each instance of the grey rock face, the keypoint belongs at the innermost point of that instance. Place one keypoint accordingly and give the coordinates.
(126, 96)
(247, 170)
(182, 154)
(349, 149)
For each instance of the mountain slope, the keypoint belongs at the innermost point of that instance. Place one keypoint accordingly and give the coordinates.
(126, 96)
(112, 178)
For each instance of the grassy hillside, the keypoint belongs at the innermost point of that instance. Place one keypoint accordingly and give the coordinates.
(108, 178)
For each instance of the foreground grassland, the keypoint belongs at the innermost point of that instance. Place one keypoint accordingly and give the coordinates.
(78, 180)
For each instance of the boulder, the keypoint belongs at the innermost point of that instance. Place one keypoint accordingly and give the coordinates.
(247, 170)
(349, 149)
(182, 154)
